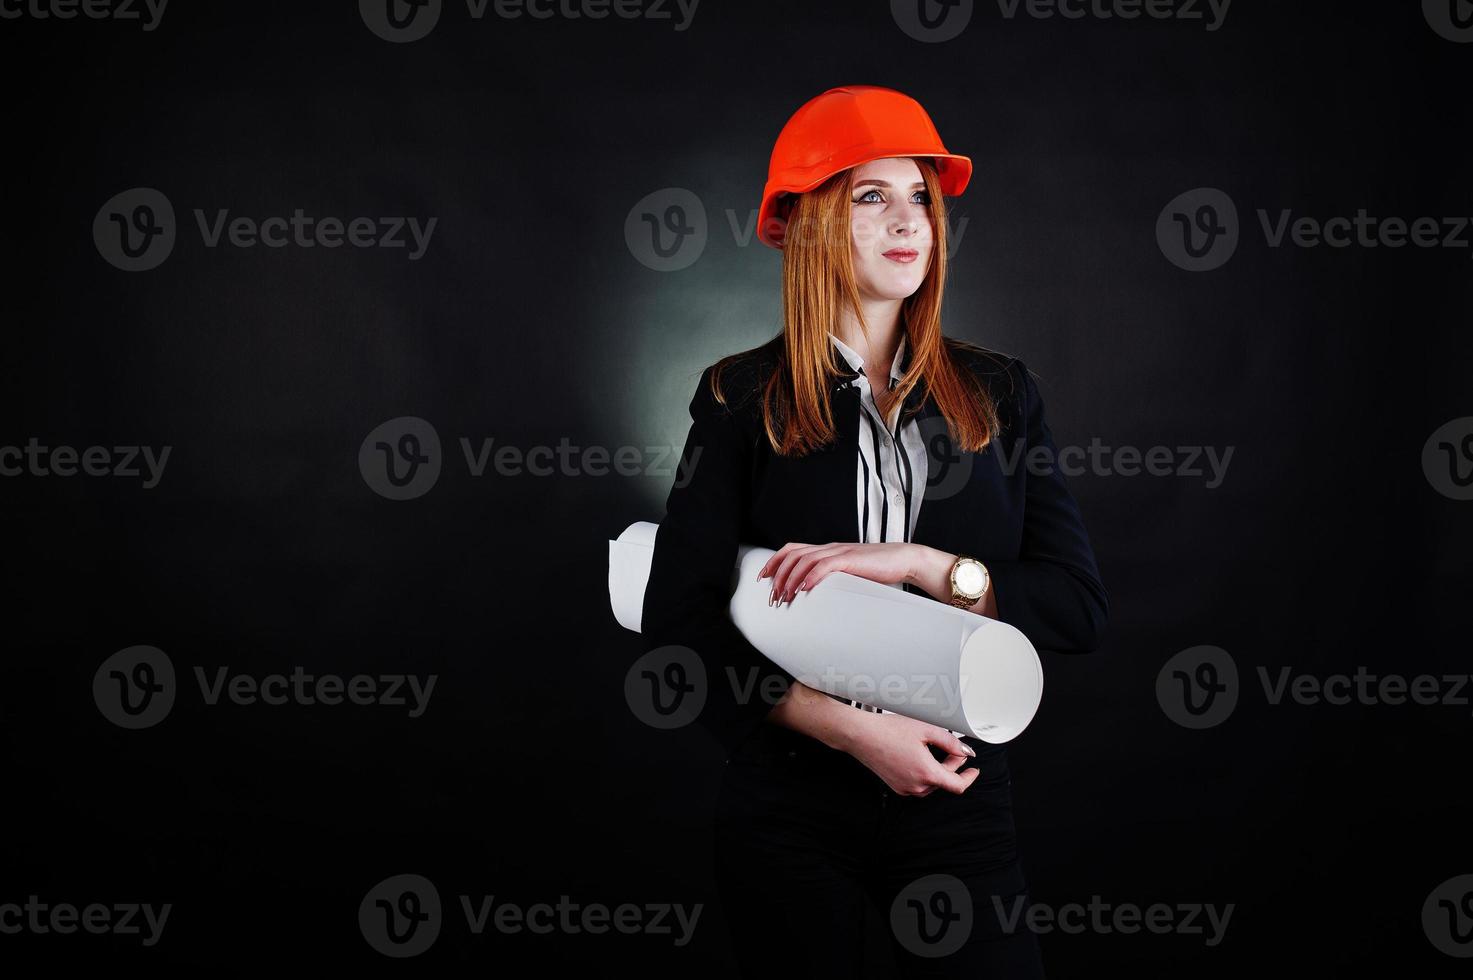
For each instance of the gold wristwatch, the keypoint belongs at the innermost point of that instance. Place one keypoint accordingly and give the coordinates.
(969, 581)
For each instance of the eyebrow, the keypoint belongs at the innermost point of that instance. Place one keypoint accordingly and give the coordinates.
(884, 183)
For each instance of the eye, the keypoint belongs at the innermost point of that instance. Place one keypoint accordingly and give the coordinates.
(924, 198)
(864, 198)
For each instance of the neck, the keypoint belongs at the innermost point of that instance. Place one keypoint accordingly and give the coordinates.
(878, 350)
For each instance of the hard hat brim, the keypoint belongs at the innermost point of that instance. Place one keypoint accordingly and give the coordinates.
(953, 171)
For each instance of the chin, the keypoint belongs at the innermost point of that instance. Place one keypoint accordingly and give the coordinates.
(895, 287)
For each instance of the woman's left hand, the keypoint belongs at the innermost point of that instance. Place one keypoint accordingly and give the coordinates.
(799, 567)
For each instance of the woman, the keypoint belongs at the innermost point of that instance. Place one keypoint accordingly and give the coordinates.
(914, 479)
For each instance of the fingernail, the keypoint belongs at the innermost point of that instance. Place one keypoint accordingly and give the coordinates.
(970, 751)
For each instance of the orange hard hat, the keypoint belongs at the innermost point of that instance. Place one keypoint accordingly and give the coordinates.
(843, 128)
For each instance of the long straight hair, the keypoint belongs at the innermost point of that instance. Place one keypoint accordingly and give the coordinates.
(818, 282)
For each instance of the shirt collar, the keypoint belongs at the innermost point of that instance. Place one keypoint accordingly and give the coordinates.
(856, 363)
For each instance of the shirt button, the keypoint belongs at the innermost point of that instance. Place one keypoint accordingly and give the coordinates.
(896, 497)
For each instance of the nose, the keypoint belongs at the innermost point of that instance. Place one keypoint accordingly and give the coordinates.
(907, 220)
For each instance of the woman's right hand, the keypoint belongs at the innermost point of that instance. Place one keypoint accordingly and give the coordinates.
(897, 749)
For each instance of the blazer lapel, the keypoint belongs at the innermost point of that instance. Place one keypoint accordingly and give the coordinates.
(838, 463)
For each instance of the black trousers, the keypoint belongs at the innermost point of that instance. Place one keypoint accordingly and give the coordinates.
(806, 836)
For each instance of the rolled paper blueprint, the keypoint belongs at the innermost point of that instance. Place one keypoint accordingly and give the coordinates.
(868, 641)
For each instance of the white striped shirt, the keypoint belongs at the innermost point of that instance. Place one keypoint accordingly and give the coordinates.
(889, 484)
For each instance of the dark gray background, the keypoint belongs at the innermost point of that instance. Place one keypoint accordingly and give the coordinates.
(528, 320)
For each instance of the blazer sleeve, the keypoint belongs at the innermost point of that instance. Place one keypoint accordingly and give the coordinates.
(1052, 591)
(692, 573)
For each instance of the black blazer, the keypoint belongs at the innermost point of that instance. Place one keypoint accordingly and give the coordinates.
(1018, 520)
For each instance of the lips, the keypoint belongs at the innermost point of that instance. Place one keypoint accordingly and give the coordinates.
(901, 254)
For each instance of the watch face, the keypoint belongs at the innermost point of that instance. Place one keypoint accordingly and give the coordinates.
(970, 578)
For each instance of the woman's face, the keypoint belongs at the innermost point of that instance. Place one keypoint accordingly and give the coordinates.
(890, 228)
